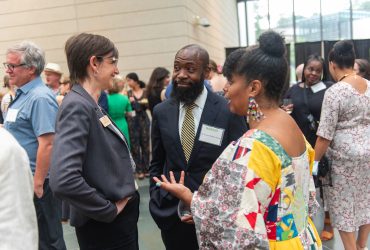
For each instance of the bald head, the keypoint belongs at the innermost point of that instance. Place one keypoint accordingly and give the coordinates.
(197, 52)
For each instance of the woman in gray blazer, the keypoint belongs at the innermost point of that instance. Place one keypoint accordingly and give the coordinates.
(92, 167)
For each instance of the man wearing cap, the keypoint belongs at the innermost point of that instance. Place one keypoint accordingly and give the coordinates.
(31, 120)
(53, 74)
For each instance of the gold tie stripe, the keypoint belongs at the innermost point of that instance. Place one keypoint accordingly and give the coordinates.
(188, 131)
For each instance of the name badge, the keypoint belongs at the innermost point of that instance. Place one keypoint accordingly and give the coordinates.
(211, 135)
(318, 87)
(11, 115)
(105, 121)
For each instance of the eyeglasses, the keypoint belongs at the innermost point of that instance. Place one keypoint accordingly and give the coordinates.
(11, 67)
(114, 60)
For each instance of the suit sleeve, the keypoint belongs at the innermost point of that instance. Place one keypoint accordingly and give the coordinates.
(66, 173)
(158, 152)
(237, 127)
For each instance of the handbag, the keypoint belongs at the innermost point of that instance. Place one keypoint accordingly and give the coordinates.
(324, 172)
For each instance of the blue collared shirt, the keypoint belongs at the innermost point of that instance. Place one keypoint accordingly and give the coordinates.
(32, 114)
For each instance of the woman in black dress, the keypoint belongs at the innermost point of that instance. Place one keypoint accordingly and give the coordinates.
(139, 125)
(306, 102)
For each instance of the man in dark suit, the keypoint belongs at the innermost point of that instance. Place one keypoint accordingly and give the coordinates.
(189, 132)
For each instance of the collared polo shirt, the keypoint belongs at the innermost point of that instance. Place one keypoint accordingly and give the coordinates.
(32, 114)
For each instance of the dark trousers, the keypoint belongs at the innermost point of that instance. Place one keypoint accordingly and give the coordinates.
(180, 237)
(120, 234)
(65, 211)
(48, 220)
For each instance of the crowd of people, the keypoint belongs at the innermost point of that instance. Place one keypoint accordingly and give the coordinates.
(233, 157)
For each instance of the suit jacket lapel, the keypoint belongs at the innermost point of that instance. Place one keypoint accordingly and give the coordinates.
(99, 113)
(208, 117)
(173, 120)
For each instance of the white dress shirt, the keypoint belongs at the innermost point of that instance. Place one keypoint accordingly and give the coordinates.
(18, 223)
(197, 111)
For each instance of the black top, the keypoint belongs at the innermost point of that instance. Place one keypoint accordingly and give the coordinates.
(301, 111)
(139, 104)
(154, 99)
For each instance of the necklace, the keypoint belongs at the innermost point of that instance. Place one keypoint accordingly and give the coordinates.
(345, 75)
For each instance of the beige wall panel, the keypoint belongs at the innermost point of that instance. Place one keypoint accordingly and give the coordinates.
(150, 17)
(9, 6)
(122, 6)
(46, 43)
(55, 55)
(37, 16)
(28, 32)
(153, 46)
(146, 61)
(223, 32)
(146, 32)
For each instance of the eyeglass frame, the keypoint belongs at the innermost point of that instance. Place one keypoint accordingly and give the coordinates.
(11, 67)
(114, 59)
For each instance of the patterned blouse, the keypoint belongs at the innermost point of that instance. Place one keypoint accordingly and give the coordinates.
(257, 197)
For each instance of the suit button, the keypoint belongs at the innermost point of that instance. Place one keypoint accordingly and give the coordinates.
(187, 173)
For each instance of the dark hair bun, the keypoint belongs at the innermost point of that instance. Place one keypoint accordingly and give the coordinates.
(272, 43)
(343, 47)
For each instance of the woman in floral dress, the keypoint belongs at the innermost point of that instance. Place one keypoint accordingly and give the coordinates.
(344, 132)
(260, 192)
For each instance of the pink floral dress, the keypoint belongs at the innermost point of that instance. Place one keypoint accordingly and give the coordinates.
(345, 121)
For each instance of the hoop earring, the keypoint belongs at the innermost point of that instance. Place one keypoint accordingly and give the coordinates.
(254, 111)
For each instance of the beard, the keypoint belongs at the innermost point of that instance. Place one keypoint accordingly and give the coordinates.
(187, 95)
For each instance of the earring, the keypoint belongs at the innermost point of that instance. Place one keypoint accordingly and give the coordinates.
(254, 110)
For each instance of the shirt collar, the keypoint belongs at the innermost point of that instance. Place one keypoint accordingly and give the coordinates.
(201, 99)
(30, 85)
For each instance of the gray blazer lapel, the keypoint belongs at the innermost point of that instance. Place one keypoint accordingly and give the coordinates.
(99, 113)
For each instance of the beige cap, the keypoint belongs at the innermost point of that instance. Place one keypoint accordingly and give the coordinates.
(53, 67)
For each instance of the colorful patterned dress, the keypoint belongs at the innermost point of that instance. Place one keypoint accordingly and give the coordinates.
(257, 197)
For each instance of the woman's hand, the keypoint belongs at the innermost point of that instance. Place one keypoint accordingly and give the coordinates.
(287, 108)
(121, 204)
(188, 219)
(176, 189)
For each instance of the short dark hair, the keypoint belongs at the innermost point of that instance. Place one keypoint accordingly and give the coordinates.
(343, 54)
(156, 80)
(80, 48)
(202, 53)
(133, 76)
(265, 62)
(364, 68)
(315, 57)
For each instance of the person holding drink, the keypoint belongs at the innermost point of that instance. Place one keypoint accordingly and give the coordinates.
(304, 99)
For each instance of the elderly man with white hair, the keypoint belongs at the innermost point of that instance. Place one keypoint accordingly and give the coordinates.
(31, 120)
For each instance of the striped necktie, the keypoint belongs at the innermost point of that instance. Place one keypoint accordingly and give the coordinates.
(188, 131)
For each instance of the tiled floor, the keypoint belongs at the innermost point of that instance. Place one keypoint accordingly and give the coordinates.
(149, 234)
